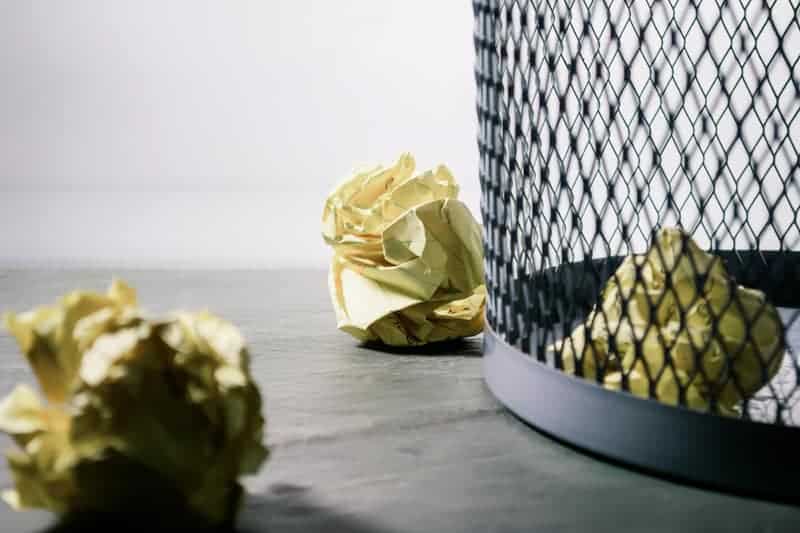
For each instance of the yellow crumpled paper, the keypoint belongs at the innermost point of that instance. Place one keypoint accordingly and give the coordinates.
(407, 267)
(636, 331)
(169, 400)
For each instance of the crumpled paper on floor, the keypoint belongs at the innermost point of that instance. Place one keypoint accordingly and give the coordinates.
(636, 332)
(408, 263)
(131, 402)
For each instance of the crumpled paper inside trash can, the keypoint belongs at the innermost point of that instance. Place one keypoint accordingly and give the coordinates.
(653, 325)
(407, 267)
(134, 410)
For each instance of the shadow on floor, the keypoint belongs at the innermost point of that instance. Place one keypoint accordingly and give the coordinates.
(290, 510)
(282, 510)
(470, 347)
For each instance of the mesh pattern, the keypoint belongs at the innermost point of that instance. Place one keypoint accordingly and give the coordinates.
(603, 121)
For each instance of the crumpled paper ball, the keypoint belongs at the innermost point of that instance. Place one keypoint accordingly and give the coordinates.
(407, 267)
(654, 325)
(167, 405)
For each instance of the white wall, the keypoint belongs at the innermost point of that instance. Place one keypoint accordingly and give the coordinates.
(192, 133)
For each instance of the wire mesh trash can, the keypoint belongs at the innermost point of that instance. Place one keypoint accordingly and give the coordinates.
(640, 186)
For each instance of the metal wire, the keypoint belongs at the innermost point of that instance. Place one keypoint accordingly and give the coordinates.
(602, 121)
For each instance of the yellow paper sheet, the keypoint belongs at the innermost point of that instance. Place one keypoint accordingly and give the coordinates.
(168, 404)
(408, 265)
(726, 363)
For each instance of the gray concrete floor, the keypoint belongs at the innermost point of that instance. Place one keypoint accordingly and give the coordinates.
(389, 441)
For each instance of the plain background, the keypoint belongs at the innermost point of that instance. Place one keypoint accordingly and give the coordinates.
(206, 134)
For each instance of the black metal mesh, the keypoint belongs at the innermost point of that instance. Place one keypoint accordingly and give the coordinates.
(603, 121)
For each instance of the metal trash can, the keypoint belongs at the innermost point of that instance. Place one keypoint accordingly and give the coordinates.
(604, 126)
